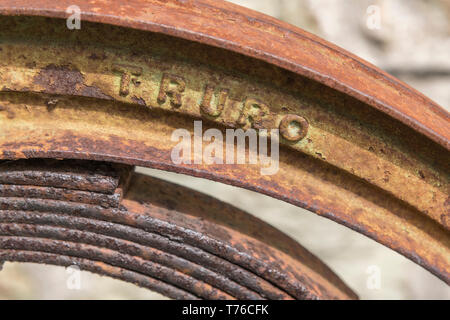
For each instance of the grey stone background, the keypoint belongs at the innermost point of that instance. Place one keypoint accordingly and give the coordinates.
(413, 43)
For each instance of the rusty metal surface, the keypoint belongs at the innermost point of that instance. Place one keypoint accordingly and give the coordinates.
(238, 29)
(70, 180)
(97, 267)
(204, 247)
(50, 193)
(70, 175)
(370, 152)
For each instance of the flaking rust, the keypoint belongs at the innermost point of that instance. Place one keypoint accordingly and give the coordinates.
(305, 124)
(155, 235)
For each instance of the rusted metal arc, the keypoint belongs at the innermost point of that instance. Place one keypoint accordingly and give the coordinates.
(281, 270)
(102, 178)
(162, 263)
(356, 164)
(186, 245)
(214, 263)
(132, 263)
(376, 213)
(99, 268)
(254, 34)
(74, 181)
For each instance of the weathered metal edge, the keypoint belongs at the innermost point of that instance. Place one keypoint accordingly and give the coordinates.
(228, 26)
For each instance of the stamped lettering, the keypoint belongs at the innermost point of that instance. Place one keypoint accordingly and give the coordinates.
(252, 114)
(126, 71)
(227, 100)
(207, 106)
(172, 86)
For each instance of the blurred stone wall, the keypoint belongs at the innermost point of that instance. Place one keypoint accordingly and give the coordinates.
(410, 39)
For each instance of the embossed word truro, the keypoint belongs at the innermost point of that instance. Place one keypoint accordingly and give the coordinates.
(234, 152)
(228, 100)
(251, 113)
